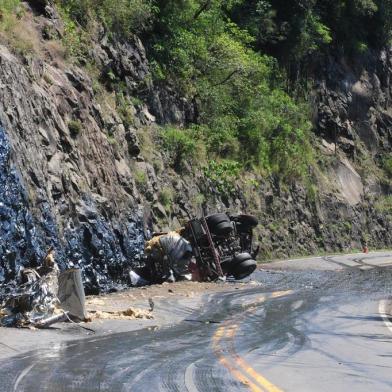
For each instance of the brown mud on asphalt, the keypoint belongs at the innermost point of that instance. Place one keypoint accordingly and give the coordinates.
(142, 296)
(139, 303)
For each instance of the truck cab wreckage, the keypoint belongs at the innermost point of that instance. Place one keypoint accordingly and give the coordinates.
(206, 249)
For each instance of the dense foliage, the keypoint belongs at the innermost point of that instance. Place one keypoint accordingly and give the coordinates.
(241, 61)
(245, 114)
(121, 16)
(295, 31)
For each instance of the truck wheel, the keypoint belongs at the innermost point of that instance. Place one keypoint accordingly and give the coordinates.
(245, 220)
(238, 259)
(229, 266)
(242, 228)
(244, 269)
(222, 228)
(226, 267)
(215, 219)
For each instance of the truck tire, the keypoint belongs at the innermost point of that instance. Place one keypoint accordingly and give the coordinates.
(245, 220)
(244, 269)
(229, 265)
(215, 219)
(223, 228)
(238, 259)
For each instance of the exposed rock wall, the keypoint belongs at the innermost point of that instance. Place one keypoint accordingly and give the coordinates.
(354, 102)
(353, 121)
(75, 191)
(70, 165)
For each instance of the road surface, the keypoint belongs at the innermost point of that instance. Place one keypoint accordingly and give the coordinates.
(317, 324)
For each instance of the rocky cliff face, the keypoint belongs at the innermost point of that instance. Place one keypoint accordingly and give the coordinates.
(79, 174)
(64, 184)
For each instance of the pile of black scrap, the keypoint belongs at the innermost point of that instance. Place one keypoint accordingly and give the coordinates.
(35, 302)
(35, 299)
(103, 244)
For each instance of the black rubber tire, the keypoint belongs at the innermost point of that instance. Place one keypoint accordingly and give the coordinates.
(226, 267)
(246, 220)
(244, 269)
(215, 219)
(229, 266)
(223, 228)
(242, 228)
(241, 257)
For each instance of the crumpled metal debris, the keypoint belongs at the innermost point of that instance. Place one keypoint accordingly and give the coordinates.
(171, 254)
(71, 293)
(35, 301)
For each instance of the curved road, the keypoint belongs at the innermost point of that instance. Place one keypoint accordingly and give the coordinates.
(317, 324)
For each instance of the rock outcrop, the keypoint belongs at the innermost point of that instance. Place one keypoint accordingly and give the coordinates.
(74, 174)
(65, 185)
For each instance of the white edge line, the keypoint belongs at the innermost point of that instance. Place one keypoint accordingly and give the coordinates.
(189, 377)
(382, 309)
(22, 375)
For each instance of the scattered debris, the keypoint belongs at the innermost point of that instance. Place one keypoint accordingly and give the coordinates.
(71, 293)
(203, 321)
(36, 299)
(39, 301)
(152, 304)
(95, 301)
(128, 314)
(206, 249)
(137, 280)
(56, 318)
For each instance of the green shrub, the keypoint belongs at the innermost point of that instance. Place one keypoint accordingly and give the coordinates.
(74, 127)
(275, 135)
(112, 140)
(387, 164)
(76, 41)
(124, 109)
(244, 113)
(141, 180)
(198, 200)
(180, 145)
(18, 38)
(222, 175)
(384, 204)
(311, 191)
(122, 17)
(166, 197)
(8, 6)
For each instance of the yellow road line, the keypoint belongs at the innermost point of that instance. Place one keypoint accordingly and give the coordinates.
(257, 376)
(230, 334)
(229, 331)
(239, 376)
(226, 363)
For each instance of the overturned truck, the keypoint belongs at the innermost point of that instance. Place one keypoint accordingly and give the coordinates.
(210, 248)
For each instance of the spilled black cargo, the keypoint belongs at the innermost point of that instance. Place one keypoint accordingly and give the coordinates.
(88, 240)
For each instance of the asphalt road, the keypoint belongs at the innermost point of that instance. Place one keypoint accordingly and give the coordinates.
(317, 324)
